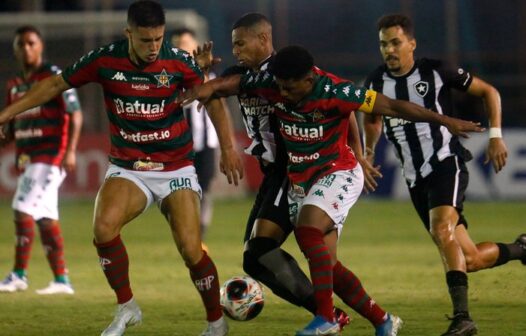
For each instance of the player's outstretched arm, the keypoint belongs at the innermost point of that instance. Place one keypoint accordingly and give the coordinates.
(230, 163)
(217, 87)
(40, 93)
(406, 110)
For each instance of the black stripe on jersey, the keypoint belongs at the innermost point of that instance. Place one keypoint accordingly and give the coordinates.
(427, 75)
(410, 131)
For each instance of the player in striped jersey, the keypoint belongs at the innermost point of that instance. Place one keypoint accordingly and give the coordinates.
(433, 159)
(313, 109)
(46, 140)
(151, 153)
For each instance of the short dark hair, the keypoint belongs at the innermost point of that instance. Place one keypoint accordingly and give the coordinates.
(182, 31)
(28, 29)
(292, 62)
(392, 20)
(249, 20)
(146, 13)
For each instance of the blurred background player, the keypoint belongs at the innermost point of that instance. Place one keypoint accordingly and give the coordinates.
(46, 140)
(203, 134)
(433, 159)
(150, 155)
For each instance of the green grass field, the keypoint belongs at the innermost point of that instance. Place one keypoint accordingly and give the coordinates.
(383, 243)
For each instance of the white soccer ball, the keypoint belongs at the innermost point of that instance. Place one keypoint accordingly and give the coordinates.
(242, 298)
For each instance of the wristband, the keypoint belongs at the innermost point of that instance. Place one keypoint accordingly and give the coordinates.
(495, 132)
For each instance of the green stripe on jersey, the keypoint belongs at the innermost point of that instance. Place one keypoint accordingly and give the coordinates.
(32, 123)
(38, 141)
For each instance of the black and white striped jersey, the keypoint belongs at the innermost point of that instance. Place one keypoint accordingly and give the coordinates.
(420, 146)
(260, 122)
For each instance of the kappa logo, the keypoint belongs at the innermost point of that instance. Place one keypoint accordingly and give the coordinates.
(421, 88)
(119, 76)
(163, 79)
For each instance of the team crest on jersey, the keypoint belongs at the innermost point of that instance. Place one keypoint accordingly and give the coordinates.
(163, 79)
(317, 115)
(421, 88)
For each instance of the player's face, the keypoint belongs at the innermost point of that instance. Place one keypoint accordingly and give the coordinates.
(186, 42)
(247, 47)
(145, 43)
(294, 90)
(28, 48)
(397, 50)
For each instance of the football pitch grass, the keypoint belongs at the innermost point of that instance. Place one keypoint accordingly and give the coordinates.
(382, 242)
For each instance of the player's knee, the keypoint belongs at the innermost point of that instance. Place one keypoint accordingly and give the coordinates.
(441, 232)
(256, 247)
(473, 262)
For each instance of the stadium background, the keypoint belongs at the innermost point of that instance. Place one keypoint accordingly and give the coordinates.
(486, 38)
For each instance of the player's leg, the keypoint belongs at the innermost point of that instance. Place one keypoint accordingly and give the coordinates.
(119, 200)
(205, 166)
(181, 209)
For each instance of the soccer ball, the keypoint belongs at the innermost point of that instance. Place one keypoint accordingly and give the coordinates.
(242, 298)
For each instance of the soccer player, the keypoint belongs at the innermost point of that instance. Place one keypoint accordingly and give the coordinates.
(203, 134)
(46, 140)
(150, 156)
(433, 160)
(312, 108)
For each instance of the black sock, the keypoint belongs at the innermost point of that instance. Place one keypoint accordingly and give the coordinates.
(457, 282)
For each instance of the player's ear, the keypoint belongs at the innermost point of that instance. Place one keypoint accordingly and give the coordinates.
(413, 44)
(127, 32)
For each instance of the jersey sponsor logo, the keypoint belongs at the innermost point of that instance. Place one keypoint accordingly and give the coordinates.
(119, 76)
(303, 158)
(302, 133)
(180, 183)
(138, 109)
(396, 122)
(205, 283)
(298, 190)
(140, 87)
(255, 106)
(140, 137)
(28, 133)
(163, 79)
(327, 181)
(147, 166)
(138, 78)
(421, 88)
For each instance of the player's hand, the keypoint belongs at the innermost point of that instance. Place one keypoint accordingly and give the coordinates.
(463, 127)
(204, 57)
(230, 165)
(497, 153)
(370, 173)
(203, 93)
(70, 161)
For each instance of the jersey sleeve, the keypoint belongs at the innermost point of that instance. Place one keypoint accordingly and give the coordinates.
(234, 70)
(455, 76)
(192, 74)
(351, 98)
(260, 84)
(71, 100)
(84, 71)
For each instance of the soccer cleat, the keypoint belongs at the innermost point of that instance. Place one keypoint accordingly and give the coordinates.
(461, 325)
(13, 283)
(342, 317)
(390, 327)
(216, 328)
(128, 314)
(56, 288)
(320, 326)
(521, 241)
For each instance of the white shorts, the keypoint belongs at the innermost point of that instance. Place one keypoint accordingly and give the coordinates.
(37, 190)
(156, 185)
(334, 193)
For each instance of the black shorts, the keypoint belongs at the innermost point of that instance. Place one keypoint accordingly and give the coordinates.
(271, 202)
(205, 167)
(446, 185)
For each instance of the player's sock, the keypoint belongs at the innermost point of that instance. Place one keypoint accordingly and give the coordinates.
(349, 288)
(266, 262)
(457, 283)
(53, 243)
(113, 259)
(205, 278)
(25, 233)
(310, 241)
(509, 252)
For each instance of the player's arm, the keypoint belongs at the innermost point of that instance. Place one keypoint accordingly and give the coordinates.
(230, 163)
(378, 104)
(217, 87)
(372, 130)
(40, 93)
(370, 172)
(75, 126)
(496, 152)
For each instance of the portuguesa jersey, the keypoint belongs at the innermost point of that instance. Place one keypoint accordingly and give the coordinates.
(41, 133)
(315, 131)
(148, 130)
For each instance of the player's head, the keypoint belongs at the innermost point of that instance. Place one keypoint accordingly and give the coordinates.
(292, 68)
(397, 42)
(145, 31)
(184, 38)
(28, 46)
(252, 39)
